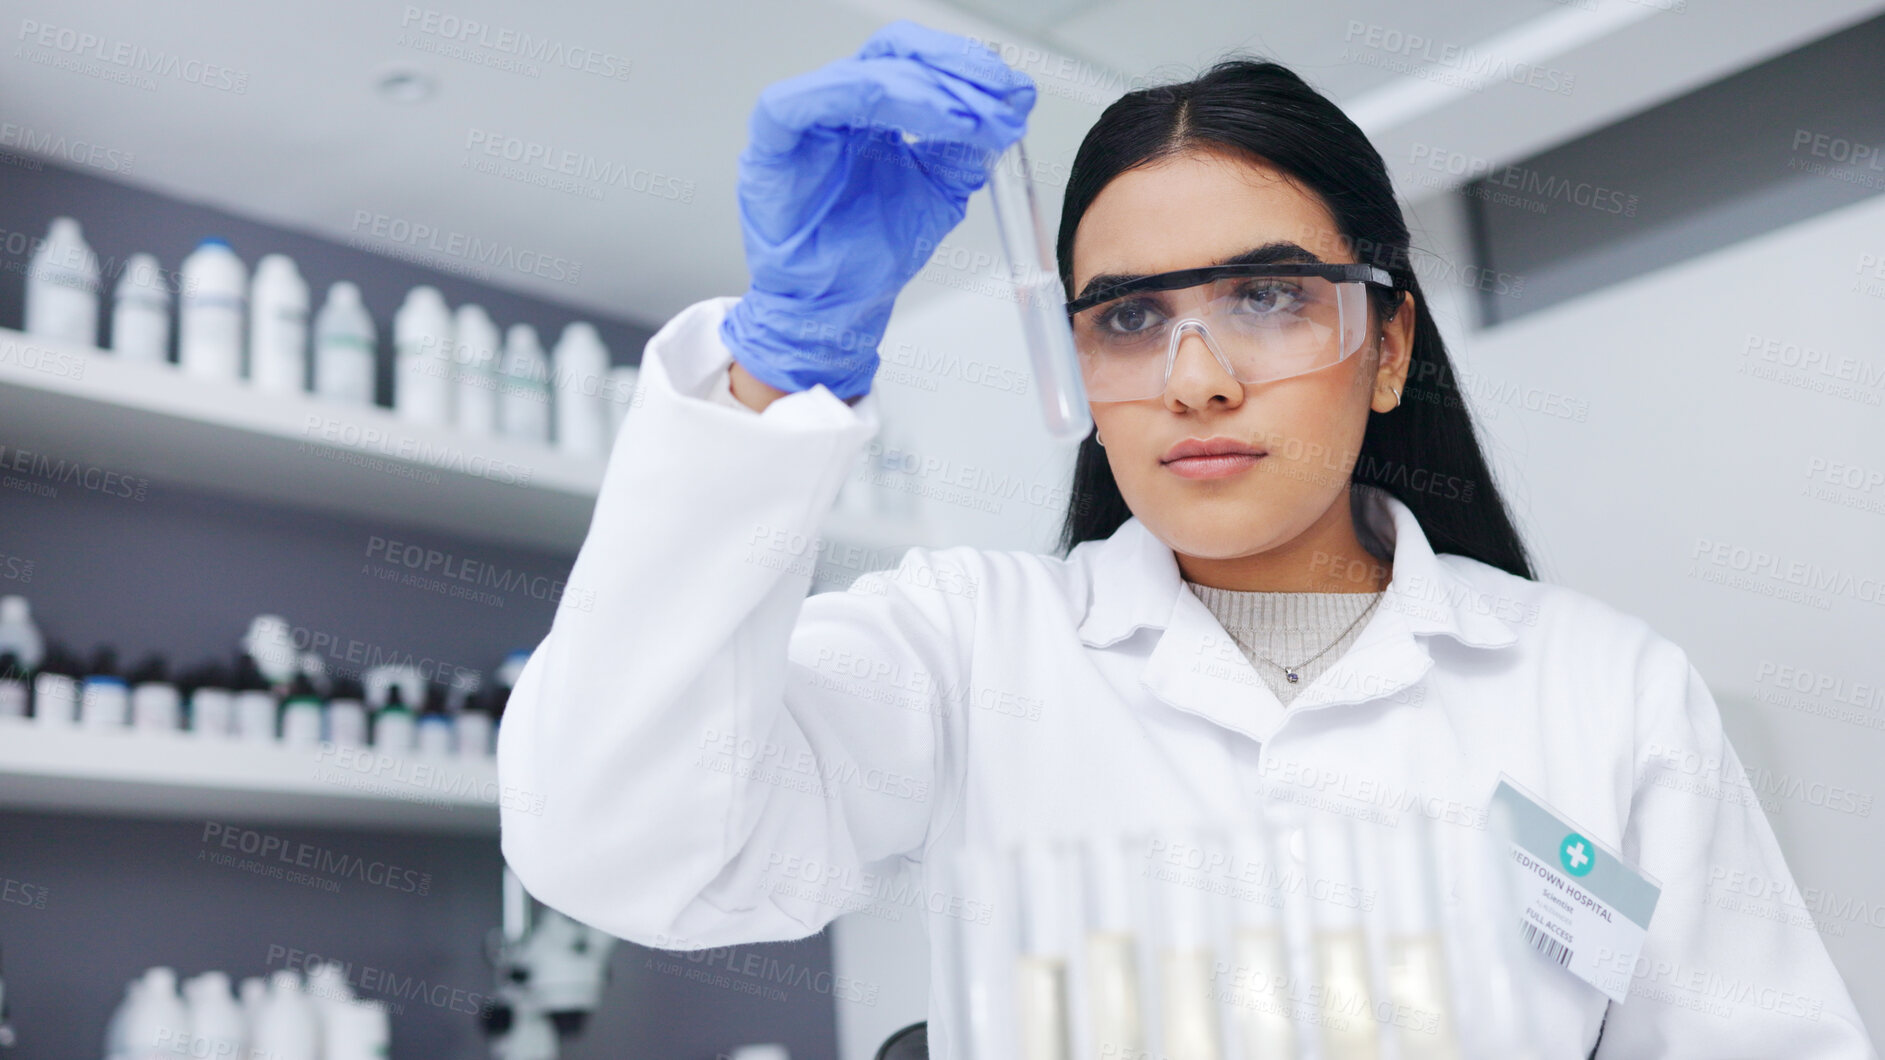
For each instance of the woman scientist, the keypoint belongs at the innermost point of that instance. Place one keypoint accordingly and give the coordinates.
(1286, 567)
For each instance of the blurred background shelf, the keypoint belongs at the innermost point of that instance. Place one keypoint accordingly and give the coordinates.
(73, 403)
(109, 416)
(175, 775)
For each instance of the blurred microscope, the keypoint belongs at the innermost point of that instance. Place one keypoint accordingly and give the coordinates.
(550, 974)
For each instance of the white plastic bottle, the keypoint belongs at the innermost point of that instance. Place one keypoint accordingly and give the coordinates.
(56, 691)
(422, 358)
(251, 997)
(256, 710)
(157, 1024)
(474, 732)
(579, 397)
(511, 669)
(288, 1027)
(474, 370)
(156, 705)
(18, 634)
(62, 287)
(119, 1023)
(344, 344)
(357, 1030)
(327, 985)
(213, 706)
(255, 716)
(210, 314)
(347, 715)
(303, 715)
(523, 402)
(434, 733)
(278, 327)
(105, 702)
(270, 642)
(140, 318)
(395, 731)
(217, 1026)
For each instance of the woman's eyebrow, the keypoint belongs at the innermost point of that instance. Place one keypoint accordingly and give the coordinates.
(1275, 253)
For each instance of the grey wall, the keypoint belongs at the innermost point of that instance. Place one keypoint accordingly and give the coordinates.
(182, 573)
(121, 896)
(120, 220)
(1792, 138)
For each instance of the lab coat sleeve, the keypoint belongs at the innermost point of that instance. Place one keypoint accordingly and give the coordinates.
(1716, 979)
(703, 755)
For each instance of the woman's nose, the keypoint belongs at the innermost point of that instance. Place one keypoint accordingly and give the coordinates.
(1197, 376)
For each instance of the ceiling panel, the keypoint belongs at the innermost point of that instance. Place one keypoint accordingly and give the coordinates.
(308, 143)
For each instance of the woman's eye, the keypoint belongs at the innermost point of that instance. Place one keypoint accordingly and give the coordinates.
(1268, 298)
(1128, 318)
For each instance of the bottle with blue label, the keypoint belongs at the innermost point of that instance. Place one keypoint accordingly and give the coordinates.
(345, 342)
(140, 317)
(435, 726)
(211, 312)
(105, 702)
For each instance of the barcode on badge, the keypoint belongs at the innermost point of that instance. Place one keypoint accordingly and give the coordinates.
(1545, 944)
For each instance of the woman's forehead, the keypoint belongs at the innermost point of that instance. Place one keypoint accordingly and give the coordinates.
(1195, 209)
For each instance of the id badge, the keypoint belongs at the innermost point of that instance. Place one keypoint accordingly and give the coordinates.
(1576, 897)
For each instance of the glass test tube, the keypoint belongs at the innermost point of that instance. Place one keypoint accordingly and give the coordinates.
(984, 1023)
(1043, 300)
(1041, 970)
(1349, 1030)
(1185, 931)
(1260, 980)
(1417, 971)
(1484, 948)
(1112, 956)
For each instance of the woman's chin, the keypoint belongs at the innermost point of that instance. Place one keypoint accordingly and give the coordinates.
(1215, 538)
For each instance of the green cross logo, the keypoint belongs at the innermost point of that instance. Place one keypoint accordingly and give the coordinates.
(1577, 854)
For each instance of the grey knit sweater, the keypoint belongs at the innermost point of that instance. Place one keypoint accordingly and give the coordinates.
(1287, 628)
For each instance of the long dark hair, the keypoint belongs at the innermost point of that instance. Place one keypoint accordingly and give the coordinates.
(1425, 452)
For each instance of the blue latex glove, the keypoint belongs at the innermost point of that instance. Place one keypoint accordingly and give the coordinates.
(839, 211)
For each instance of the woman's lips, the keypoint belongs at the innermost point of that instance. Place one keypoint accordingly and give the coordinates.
(1219, 466)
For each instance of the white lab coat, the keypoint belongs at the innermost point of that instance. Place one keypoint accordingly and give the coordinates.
(674, 732)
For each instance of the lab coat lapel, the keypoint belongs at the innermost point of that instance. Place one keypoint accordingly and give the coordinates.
(1194, 666)
(1198, 668)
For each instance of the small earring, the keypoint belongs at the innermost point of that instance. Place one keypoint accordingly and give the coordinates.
(1097, 438)
(1397, 397)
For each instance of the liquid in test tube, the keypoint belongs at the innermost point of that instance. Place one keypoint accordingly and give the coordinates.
(1043, 300)
(1112, 961)
(1185, 938)
(1260, 976)
(1349, 1031)
(1417, 972)
(1041, 965)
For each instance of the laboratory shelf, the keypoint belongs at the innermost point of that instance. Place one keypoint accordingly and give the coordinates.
(123, 418)
(127, 773)
(80, 418)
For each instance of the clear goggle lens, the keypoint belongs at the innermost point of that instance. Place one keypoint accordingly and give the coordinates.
(1260, 329)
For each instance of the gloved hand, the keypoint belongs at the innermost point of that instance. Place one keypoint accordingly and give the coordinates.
(840, 211)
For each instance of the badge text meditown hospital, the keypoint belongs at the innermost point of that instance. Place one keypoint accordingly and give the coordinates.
(1581, 905)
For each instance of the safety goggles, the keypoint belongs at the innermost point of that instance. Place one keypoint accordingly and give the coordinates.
(1261, 322)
